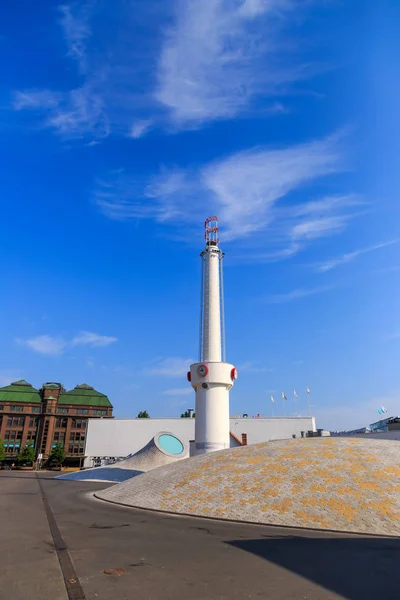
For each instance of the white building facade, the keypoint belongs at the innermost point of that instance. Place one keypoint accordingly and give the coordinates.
(118, 438)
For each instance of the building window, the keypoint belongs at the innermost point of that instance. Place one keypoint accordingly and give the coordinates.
(59, 436)
(17, 408)
(77, 436)
(62, 411)
(31, 436)
(100, 413)
(79, 424)
(82, 411)
(36, 409)
(61, 422)
(12, 435)
(32, 422)
(15, 421)
(1, 407)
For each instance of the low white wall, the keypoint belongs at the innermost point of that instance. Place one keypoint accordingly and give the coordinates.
(120, 437)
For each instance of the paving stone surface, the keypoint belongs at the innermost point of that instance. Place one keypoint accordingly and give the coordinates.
(323, 483)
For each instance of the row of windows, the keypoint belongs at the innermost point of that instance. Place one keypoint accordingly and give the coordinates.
(12, 434)
(73, 449)
(61, 422)
(20, 421)
(77, 436)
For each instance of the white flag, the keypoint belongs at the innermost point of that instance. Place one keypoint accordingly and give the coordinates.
(272, 399)
(308, 390)
(295, 394)
(283, 396)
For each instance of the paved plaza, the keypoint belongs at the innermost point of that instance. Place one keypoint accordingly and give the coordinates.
(55, 533)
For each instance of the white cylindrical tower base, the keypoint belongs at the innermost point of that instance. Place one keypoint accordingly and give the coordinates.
(212, 419)
(212, 382)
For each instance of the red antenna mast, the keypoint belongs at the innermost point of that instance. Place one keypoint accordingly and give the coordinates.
(212, 231)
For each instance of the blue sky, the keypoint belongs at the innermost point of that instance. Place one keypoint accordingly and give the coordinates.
(124, 125)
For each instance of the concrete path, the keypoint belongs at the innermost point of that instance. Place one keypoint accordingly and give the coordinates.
(29, 567)
(126, 554)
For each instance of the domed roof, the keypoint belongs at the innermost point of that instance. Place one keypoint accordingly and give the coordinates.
(324, 483)
(19, 391)
(85, 395)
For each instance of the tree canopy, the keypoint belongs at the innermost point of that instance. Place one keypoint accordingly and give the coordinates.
(57, 455)
(27, 456)
(186, 415)
(2, 450)
(143, 415)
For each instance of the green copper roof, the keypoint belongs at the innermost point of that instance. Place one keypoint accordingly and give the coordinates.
(84, 395)
(19, 391)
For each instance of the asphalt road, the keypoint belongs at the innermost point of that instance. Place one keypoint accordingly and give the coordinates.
(109, 552)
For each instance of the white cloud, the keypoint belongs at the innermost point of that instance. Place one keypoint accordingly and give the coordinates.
(87, 338)
(77, 31)
(140, 128)
(350, 256)
(179, 392)
(55, 346)
(73, 114)
(219, 55)
(45, 344)
(297, 294)
(248, 190)
(171, 367)
(214, 59)
(43, 99)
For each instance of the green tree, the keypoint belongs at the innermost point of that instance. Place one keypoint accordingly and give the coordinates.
(57, 455)
(186, 415)
(2, 450)
(143, 415)
(27, 456)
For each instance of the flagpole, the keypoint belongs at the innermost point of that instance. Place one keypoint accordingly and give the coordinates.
(309, 404)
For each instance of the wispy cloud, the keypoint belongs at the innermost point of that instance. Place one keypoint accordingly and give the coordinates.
(55, 346)
(297, 294)
(253, 193)
(213, 58)
(140, 128)
(188, 391)
(87, 338)
(45, 344)
(350, 256)
(75, 22)
(170, 367)
(74, 114)
(219, 55)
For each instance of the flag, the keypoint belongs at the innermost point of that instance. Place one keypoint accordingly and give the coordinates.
(272, 399)
(383, 409)
(283, 396)
(295, 394)
(308, 390)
